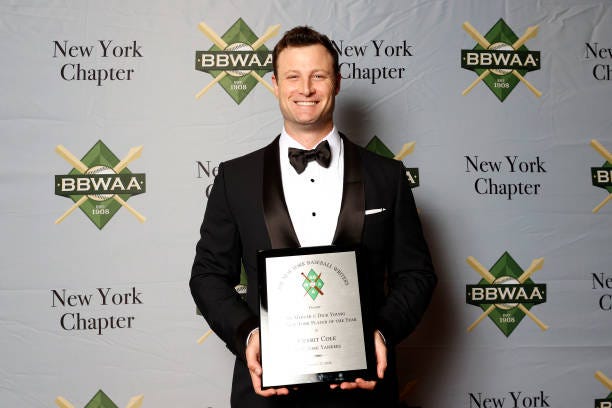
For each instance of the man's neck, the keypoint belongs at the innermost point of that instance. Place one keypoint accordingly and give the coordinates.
(309, 138)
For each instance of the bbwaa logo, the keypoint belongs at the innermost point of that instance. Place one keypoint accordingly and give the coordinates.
(101, 400)
(313, 284)
(377, 146)
(100, 183)
(500, 59)
(237, 61)
(602, 176)
(606, 402)
(506, 293)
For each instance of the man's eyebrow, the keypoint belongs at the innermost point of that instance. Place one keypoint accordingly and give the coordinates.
(316, 70)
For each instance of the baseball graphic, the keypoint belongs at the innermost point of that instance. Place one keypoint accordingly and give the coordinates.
(100, 170)
(506, 280)
(238, 47)
(500, 46)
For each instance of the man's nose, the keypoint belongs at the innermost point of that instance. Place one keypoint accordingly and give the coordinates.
(306, 86)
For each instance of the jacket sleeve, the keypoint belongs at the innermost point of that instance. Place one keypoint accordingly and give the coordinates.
(410, 273)
(216, 271)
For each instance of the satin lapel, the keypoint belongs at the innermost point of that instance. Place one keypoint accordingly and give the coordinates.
(352, 210)
(278, 222)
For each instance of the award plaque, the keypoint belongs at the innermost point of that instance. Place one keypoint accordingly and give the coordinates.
(313, 317)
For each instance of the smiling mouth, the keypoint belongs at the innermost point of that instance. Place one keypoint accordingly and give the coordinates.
(306, 103)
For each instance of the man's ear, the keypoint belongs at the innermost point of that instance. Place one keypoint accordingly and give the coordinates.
(275, 85)
(338, 78)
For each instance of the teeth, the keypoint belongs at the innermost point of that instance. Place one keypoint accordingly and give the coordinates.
(306, 103)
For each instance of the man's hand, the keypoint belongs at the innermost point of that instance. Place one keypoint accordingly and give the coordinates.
(253, 363)
(380, 350)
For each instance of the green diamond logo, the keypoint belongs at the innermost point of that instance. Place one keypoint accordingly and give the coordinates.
(100, 400)
(506, 293)
(500, 59)
(237, 61)
(602, 176)
(100, 184)
(313, 284)
(376, 145)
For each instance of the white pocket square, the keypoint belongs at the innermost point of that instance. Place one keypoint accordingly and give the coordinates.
(375, 211)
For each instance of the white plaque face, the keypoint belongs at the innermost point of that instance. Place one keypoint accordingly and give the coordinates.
(312, 329)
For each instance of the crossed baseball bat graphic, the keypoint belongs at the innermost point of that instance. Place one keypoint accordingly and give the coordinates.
(604, 380)
(219, 42)
(405, 151)
(536, 265)
(608, 156)
(132, 155)
(313, 281)
(134, 402)
(530, 32)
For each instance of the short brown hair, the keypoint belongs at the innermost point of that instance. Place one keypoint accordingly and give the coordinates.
(303, 36)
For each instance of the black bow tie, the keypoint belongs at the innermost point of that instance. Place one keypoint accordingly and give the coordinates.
(299, 158)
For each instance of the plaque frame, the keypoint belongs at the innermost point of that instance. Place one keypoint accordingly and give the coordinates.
(367, 367)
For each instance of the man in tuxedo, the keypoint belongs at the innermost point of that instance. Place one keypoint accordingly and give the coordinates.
(311, 186)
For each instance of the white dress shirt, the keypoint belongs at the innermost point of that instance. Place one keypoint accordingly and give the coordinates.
(314, 197)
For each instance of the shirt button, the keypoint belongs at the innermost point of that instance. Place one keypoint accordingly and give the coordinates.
(312, 180)
(314, 214)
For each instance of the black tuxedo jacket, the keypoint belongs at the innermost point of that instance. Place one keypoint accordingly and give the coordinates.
(246, 212)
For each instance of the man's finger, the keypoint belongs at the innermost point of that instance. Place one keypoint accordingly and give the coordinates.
(381, 367)
(381, 355)
(366, 385)
(358, 383)
(252, 359)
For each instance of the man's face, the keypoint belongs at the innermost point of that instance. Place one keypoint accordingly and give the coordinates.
(306, 87)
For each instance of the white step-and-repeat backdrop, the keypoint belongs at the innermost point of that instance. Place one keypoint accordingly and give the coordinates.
(115, 115)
